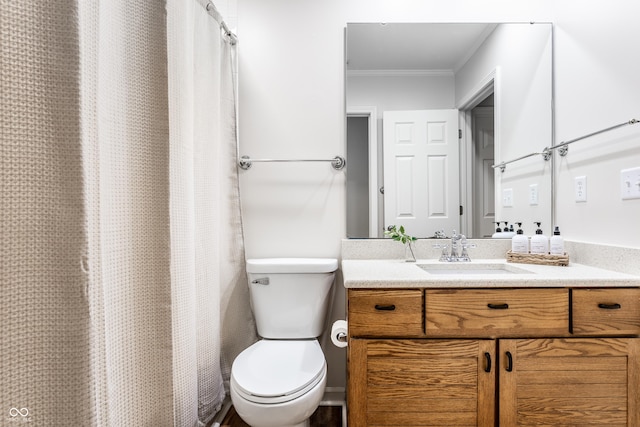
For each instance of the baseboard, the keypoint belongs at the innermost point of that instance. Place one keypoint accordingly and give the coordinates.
(333, 396)
(336, 396)
(217, 419)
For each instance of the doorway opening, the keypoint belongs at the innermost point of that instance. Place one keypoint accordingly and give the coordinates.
(479, 124)
(363, 195)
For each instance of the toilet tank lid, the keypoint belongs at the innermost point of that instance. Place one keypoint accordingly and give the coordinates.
(292, 265)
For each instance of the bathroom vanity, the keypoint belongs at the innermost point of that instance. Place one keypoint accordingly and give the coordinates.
(491, 343)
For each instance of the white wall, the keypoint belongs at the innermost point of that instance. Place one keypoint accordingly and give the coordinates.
(523, 114)
(598, 85)
(402, 92)
(291, 105)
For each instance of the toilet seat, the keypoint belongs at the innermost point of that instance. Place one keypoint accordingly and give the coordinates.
(276, 371)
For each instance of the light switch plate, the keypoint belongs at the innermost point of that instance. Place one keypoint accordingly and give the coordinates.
(507, 197)
(630, 184)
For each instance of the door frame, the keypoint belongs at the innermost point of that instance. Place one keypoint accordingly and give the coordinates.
(371, 113)
(489, 84)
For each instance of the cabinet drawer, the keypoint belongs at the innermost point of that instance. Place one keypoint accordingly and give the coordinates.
(497, 312)
(385, 313)
(606, 311)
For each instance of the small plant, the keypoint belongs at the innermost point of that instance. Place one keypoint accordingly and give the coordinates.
(399, 235)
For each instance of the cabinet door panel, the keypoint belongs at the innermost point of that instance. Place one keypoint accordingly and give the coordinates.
(421, 382)
(569, 382)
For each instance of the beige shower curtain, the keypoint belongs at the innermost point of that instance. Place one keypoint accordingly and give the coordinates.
(124, 296)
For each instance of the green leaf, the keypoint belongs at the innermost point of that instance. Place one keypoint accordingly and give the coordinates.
(399, 235)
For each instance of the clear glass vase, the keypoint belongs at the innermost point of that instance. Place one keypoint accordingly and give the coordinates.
(409, 254)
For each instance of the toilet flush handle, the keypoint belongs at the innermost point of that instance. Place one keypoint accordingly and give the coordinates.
(261, 281)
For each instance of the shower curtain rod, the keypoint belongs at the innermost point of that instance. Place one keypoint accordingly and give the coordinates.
(213, 11)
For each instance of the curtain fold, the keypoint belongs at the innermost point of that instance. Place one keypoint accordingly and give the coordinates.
(44, 318)
(126, 155)
(206, 231)
(125, 293)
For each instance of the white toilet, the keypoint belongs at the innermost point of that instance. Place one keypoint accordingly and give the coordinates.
(280, 380)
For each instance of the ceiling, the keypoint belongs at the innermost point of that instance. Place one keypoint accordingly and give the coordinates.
(413, 47)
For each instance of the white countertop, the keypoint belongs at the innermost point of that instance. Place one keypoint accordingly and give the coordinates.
(395, 273)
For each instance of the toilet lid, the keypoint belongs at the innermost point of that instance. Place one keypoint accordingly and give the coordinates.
(278, 368)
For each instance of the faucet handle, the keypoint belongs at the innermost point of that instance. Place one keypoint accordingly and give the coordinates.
(464, 256)
(444, 256)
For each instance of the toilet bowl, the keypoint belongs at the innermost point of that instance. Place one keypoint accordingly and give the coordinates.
(278, 383)
(280, 380)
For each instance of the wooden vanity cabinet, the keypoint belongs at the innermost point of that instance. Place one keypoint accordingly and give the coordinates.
(487, 357)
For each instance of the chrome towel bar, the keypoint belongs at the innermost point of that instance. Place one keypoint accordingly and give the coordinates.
(563, 146)
(337, 162)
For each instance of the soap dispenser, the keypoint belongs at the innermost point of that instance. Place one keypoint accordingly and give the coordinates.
(508, 233)
(498, 233)
(520, 242)
(556, 246)
(539, 242)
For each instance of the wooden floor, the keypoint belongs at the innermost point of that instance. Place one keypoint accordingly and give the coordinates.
(325, 416)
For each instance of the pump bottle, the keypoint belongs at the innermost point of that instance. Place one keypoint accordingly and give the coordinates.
(520, 242)
(556, 245)
(508, 233)
(498, 233)
(539, 242)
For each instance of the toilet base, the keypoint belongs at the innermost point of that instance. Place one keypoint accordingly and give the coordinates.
(279, 414)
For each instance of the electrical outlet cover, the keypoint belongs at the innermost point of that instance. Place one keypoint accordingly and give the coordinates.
(533, 194)
(630, 184)
(580, 186)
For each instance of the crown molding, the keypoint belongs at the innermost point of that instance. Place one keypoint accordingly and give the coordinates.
(400, 73)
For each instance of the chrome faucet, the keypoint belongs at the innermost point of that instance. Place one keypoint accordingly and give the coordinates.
(458, 252)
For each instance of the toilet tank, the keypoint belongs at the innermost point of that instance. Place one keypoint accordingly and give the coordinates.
(290, 297)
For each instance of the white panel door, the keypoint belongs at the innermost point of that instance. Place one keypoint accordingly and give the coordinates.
(421, 176)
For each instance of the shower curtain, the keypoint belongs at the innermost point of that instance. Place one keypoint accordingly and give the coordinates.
(122, 262)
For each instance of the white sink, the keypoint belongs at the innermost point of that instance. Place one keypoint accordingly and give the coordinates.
(471, 268)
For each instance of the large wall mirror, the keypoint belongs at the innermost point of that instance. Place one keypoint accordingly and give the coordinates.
(431, 108)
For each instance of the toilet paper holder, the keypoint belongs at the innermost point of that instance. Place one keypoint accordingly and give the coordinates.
(340, 333)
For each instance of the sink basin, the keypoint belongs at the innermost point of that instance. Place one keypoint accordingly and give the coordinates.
(472, 268)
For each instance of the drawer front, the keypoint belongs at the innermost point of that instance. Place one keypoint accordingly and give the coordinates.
(385, 313)
(606, 311)
(495, 313)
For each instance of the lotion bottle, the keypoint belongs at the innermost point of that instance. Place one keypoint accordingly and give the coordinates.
(520, 242)
(556, 246)
(539, 242)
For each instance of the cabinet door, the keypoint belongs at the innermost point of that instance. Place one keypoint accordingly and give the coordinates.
(569, 382)
(421, 382)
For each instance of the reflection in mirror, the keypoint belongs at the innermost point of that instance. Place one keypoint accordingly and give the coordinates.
(430, 109)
